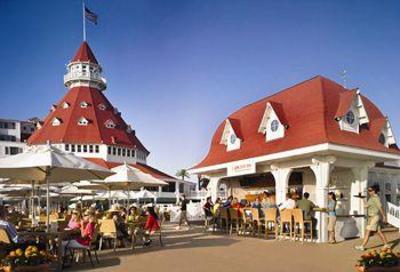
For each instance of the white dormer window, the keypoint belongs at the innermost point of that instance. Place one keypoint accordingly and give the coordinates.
(386, 137)
(84, 104)
(102, 107)
(230, 137)
(352, 113)
(53, 108)
(65, 105)
(56, 122)
(109, 124)
(83, 121)
(271, 124)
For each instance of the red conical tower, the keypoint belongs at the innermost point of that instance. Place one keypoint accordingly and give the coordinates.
(86, 123)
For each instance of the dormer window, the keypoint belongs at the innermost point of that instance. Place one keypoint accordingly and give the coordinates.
(83, 121)
(53, 108)
(386, 137)
(273, 123)
(231, 136)
(109, 124)
(84, 104)
(129, 129)
(102, 107)
(65, 105)
(350, 117)
(56, 122)
(351, 113)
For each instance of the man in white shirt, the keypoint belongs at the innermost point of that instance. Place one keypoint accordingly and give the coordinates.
(289, 203)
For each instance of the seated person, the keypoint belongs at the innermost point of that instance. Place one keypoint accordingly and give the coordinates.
(289, 203)
(133, 214)
(306, 206)
(228, 202)
(75, 221)
(152, 225)
(88, 228)
(9, 227)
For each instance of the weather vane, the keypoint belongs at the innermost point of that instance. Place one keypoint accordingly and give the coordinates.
(344, 78)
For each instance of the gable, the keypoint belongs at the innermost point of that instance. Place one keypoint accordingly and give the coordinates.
(273, 122)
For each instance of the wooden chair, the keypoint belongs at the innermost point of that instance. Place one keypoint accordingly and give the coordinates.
(300, 225)
(234, 220)
(257, 219)
(286, 219)
(137, 228)
(225, 218)
(108, 230)
(247, 221)
(271, 222)
(87, 249)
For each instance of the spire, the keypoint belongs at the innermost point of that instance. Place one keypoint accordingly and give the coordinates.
(84, 53)
(84, 70)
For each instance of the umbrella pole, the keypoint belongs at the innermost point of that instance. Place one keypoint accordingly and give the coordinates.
(33, 202)
(109, 198)
(47, 204)
(129, 194)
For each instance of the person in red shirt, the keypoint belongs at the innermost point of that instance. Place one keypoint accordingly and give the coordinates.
(152, 224)
(88, 228)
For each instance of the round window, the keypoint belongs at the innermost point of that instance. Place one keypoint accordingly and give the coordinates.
(350, 118)
(274, 125)
(233, 138)
(382, 139)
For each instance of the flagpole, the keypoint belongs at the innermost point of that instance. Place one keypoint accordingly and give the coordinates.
(83, 21)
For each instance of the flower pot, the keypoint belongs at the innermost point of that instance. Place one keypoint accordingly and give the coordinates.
(378, 269)
(36, 268)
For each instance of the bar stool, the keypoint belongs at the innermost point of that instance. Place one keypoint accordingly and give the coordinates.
(271, 222)
(234, 220)
(300, 223)
(225, 218)
(286, 218)
(257, 218)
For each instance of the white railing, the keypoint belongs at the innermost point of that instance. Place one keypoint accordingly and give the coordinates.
(393, 215)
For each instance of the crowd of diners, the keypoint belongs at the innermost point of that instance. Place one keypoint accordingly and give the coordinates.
(82, 223)
(294, 200)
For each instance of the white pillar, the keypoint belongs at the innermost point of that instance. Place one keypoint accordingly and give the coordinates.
(177, 194)
(281, 176)
(359, 185)
(213, 188)
(322, 169)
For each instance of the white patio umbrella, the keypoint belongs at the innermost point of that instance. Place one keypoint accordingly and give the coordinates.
(129, 178)
(47, 164)
(144, 194)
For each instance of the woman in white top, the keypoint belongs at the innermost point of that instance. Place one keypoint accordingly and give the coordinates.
(289, 203)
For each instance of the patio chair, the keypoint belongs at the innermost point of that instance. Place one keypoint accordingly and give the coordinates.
(257, 220)
(225, 218)
(300, 225)
(4, 238)
(234, 220)
(108, 231)
(271, 222)
(247, 221)
(286, 220)
(88, 249)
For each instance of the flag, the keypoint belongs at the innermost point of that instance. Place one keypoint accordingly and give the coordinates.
(90, 16)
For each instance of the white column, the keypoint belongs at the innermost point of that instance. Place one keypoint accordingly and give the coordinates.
(177, 194)
(322, 169)
(359, 185)
(213, 188)
(281, 176)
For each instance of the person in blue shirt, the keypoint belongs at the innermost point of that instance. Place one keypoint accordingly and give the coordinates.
(228, 202)
(331, 217)
(7, 226)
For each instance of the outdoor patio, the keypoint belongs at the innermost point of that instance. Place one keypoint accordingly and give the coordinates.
(197, 250)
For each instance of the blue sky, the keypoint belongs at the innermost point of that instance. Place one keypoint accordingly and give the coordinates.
(176, 69)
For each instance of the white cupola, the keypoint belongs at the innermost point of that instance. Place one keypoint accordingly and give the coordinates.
(84, 70)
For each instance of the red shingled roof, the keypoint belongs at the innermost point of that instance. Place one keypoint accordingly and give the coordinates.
(84, 53)
(95, 132)
(309, 110)
(143, 167)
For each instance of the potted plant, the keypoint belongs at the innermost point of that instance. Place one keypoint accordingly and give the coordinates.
(383, 261)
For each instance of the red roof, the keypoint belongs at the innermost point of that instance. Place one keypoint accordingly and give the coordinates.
(309, 109)
(346, 98)
(69, 131)
(84, 53)
(143, 167)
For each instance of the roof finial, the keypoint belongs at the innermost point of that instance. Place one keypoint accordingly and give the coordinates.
(344, 78)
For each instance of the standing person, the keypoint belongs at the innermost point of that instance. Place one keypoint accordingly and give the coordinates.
(183, 216)
(207, 207)
(331, 217)
(374, 208)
